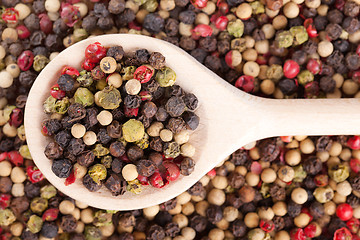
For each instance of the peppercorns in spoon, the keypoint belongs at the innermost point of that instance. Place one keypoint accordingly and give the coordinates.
(229, 119)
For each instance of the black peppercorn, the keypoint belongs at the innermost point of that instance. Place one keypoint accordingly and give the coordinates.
(61, 168)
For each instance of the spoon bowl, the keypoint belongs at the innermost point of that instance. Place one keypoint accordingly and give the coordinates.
(229, 119)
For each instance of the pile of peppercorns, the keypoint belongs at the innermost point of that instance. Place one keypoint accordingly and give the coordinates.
(120, 135)
(272, 48)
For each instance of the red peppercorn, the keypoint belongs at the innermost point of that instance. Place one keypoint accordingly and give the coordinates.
(261, 59)
(310, 230)
(212, 173)
(87, 65)
(16, 117)
(342, 234)
(286, 139)
(70, 71)
(172, 171)
(34, 174)
(314, 66)
(355, 165)
(354, 143)
(156, 180)
(143, 180)
(23, 32)
(95, 52)
(143, 73)
(10, 15)
(131, 112)
(267, 225)
(70, 14)
(297, 234)
(15, 158)
(246, 83)
(50, 214)
(355, 76)
(201, 30)
(344, 211)
(353, 224)
(25, 60)
(45, 23)
(70, 179)
(199, 3)
(56, 92)
(5, 200)
(221, 23)
(291, 69)
(358, 50)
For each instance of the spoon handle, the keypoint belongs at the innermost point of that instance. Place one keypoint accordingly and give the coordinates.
(310, 117)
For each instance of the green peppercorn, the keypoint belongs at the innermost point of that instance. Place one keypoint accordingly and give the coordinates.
(133, 130)
(48, 191)
(256, 234)
(106, 161)
(34, 224)
(323, 194)
(139, 2)
(7, 217)
(108, 98)
(92, 233)
(300, 174)
(144, 142)
(257, 7)
(24, 152)
(171, 150)
(236, 28)
(85, 79)
(2, 65)
(97, 173)
(80, 34)
(274, 72)
(300, 34)
(49, 105)
(38, 205)
(150, 5)
(134, 186)
(166, 77)
(84, 96)
(40, 61)
(61, 106)
(304, 77)
(339, 172)
(101, 84)
(128, 72)
(100, 150)
(102, 218)
(238, 44)
(284, 39)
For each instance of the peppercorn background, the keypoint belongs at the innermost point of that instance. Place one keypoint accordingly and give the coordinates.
(260, 188)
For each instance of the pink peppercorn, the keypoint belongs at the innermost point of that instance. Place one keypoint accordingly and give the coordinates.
(95, 52)
(246, 83)
(156, 180)
(143, 74)
(314, 66)
(339, 4)
(172, 171)
(267, 225)
(355, 165)
(223, 7)
(5, 200)
(70, 71)
(131, 112)
(34, 174)
(45, 23)
(70, 14)
(297, 234)
(16, 117)
(50, 214)
(212, 173)
(291, 69)
(310, 230)
(70, 179)
(15, 158)
(344, 211)
(201, 30)
(354, 143)
(143, 180)
(353, 224)
(286, 139)
(56, 92)
(25, 60)
(221, 23)
(23, 32)
(10, 15)
(134, 25)
(88, 65)
(199, 3)
(310, 28)
(342, 234)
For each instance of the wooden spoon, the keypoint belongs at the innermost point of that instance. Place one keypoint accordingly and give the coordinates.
(229, 119)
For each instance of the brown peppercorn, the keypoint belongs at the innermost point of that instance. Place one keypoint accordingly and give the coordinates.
(53, 151)
(117, 149)
(277, 192)
(68, 223)
(351, 9)
(187, 166)
(327, 84)
(156, 144)
(146, 167)
(134, 153)
(157, 60)
(116, 185)
(5, 184)
(312, 165)
(352, 61)
(149, 109)
(156, 158)
(86, 158)
(269, 150)
(176, 125)
(333, 31)
(246, 194)
(114, 129)
(236, 180)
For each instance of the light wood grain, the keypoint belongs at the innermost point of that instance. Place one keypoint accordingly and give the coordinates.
(229, 119)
